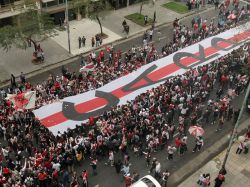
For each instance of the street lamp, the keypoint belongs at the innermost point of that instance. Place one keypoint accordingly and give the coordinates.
(67, 23)
(235, 127)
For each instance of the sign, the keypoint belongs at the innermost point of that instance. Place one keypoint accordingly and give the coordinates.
(74, 110)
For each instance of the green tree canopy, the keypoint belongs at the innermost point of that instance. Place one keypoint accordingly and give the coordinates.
(30, 26)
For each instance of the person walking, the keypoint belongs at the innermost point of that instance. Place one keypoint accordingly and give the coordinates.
(220, 124)
(165, 176)
(93, 42)
(158, 171)
(110, 159)
(199, 143)
(240, 147)
(125, 171)
(183, 147)
(65, 177)
(13, 81)
(150, 32)
(124, 23)
(118, 166)
(148, 158)
(171, 150)
(127, 180)
(94, 166)
(22, 78)
(85, 176)
(145, 20)
(153, 165)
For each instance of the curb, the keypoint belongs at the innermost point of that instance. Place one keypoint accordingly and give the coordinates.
(203, 158)
(42, 69)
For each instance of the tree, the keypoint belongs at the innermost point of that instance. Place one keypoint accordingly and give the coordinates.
(77, 5)
(31, 26)
(97, 9)
(142, 3)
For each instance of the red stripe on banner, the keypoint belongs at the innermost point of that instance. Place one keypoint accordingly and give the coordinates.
(165, 71)
(139, 83)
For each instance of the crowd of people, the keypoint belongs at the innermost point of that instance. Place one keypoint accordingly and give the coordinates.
(31, 155)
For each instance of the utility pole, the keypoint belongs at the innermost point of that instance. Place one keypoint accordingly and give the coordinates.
(67, 23)
(236, 127)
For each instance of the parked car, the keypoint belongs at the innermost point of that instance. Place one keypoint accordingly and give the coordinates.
(146, 181)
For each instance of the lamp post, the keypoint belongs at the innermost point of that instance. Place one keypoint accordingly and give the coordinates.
(235, 127)
(238, 120)
(67, 23)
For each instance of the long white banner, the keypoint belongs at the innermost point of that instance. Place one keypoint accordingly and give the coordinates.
(72, 111)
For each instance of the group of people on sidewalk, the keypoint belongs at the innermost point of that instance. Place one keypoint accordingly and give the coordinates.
(32, 156)
(205, 179)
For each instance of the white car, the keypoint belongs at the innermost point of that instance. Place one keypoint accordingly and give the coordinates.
(146, 181)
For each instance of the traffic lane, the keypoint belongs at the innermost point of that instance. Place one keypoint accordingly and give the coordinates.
(165, 35)
(139, 164)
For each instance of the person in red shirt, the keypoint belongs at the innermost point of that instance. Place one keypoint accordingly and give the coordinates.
(195, 26)
(85, 176)
(102, 55)
(6, 172)
(127, 180)
(42, 177)
(178, 143)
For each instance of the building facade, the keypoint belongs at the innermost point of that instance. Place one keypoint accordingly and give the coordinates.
(56, 8)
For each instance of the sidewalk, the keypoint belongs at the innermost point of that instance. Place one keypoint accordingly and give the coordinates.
(56, 49)
(112, 25)
(238, 168)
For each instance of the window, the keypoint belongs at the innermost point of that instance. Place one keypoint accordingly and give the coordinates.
(148, 182)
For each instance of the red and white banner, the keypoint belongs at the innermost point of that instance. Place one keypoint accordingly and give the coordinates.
(23, 101)
(72, 111)
(87, 68)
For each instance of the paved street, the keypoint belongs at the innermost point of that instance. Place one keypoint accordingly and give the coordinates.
(106, 175)
(238, 168)
(139, 164)
(56, 49)
(161, 36)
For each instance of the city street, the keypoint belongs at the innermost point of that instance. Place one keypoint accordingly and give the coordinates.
(106, 173)
(162, 35)
(107, 176)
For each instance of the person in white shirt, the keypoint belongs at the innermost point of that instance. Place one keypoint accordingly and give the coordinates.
(158, 170)
(5, 152)
(171, 150)
(56, 166)
(199, 144)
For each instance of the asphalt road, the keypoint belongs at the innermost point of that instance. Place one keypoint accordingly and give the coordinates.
(106, 175)
(161, 36)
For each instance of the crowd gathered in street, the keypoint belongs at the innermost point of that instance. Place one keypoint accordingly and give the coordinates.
(157, 120)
